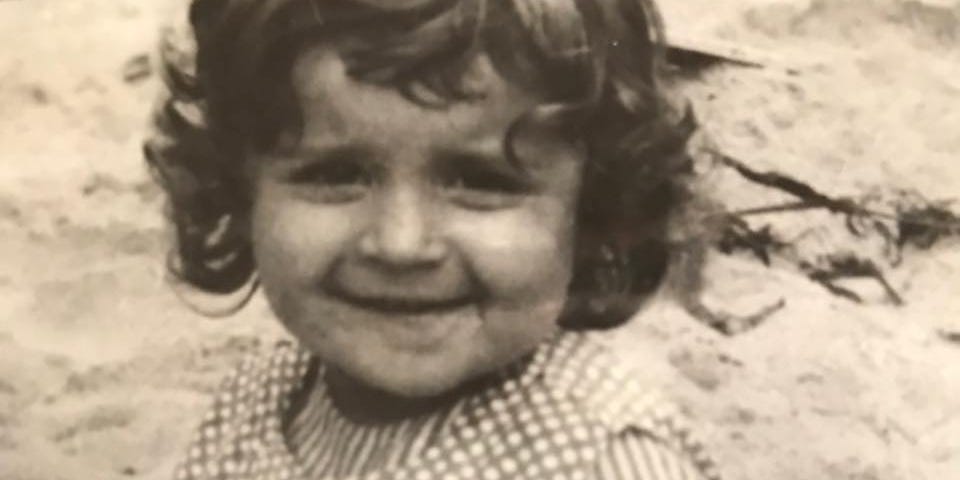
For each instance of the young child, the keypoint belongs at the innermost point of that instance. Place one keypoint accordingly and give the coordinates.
(440, 198)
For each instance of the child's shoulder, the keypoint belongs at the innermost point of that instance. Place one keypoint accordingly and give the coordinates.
(610, 391)
(604, 383)
(242, 429)
(280, 366)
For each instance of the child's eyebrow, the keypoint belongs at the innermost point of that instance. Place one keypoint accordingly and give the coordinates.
(445, 159)
(446, 156)
(332, 152)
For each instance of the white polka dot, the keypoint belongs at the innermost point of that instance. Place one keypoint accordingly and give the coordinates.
(569, 456)
(541, 445)
(210, 449)
(552, 423)
(509, 466)
(210, 432)
(486, 426)
(272, 423)
(524, 455)
(246, 446)
(589, 455)
(195, 452)
(477, 449)
(210, 416)
(551, 462)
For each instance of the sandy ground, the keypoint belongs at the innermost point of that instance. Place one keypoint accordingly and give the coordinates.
(103, 371)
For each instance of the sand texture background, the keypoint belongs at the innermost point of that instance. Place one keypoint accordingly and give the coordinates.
(103, 372)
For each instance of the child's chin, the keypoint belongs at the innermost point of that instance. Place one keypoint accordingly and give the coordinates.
(417, 378)
(424, 389)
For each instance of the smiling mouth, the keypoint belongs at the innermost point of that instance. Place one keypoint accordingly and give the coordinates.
(400, 304)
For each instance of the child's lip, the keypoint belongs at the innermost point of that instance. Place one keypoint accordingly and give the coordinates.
(399, 304)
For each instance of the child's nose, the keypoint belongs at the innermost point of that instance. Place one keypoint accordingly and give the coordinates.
(402, 230)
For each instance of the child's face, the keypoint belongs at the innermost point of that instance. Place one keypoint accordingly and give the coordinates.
(399, 244)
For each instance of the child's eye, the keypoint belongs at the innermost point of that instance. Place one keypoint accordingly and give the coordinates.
(484, 187)
(333, 181)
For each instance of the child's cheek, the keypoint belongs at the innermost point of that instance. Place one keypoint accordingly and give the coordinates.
(521, 255)
(295, 242)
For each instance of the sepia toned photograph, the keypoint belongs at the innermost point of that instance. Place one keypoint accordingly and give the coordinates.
(480, 239)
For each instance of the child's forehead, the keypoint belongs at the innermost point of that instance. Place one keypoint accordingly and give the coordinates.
(335, 103)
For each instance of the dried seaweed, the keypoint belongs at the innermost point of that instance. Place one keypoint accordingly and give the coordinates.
(727, 323)
(689, 286)
(849, 266)
(950, 336)
(910, 221)
(738, 235)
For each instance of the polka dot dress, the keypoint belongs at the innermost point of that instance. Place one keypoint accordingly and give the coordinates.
(565, 417)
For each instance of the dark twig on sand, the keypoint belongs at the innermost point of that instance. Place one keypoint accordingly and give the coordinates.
(950, 336)
(850, 266)
(730, 324)
(916, 222)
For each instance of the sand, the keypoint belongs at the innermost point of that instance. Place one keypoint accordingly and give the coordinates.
(103, 371)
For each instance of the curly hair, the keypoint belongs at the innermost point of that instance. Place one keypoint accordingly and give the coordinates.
(596, 64)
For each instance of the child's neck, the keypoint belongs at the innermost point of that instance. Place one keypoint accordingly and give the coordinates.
(363, 404)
